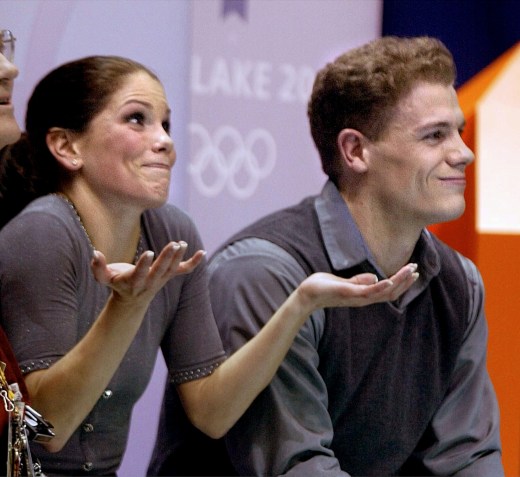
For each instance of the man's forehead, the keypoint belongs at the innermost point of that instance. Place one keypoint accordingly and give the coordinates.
(425, 99)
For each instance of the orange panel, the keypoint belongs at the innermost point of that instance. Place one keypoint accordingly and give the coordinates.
(498, 257)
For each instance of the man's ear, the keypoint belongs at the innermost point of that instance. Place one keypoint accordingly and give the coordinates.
(61, 143)
(351, 148)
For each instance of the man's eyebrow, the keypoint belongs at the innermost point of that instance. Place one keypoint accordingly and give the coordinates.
(441, 124)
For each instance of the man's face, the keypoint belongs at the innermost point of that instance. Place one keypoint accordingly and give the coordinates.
(417, 168)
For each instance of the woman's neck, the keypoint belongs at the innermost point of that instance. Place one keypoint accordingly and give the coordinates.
(116, 233)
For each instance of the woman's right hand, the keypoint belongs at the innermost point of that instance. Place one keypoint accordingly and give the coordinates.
(147, 276)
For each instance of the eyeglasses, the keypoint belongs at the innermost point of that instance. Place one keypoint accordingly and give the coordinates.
(7, 40)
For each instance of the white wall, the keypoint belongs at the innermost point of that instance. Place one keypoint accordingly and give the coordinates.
(253, 69)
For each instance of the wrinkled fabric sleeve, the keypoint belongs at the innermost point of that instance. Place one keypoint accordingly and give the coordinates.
(466, 426)
(38, 288)
(287, 430)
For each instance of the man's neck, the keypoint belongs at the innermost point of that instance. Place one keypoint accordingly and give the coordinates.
(391, 242)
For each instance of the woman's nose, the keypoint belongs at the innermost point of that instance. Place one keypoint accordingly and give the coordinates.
(163, 143)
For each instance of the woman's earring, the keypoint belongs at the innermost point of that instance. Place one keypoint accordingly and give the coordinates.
(74, 162)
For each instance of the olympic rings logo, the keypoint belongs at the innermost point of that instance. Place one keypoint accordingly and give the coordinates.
(226, 160)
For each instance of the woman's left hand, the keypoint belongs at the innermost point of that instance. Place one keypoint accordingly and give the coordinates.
(321, 290)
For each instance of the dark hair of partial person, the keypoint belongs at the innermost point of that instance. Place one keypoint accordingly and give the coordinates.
(360, 88)
(68, 97)
(19, 182)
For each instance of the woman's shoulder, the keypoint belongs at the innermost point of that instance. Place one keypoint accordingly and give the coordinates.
(168, 223)
(168, 210)
(45, 219)
(50, 205)
(170, 216)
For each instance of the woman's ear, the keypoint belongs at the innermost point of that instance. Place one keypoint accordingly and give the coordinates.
(61, 143)
(351, 148)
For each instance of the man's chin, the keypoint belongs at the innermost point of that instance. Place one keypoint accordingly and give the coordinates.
(449, 215)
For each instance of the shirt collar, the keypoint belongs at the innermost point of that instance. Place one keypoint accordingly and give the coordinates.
(345, 245)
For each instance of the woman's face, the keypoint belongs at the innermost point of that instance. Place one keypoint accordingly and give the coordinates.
(9, 129)
(126, 152)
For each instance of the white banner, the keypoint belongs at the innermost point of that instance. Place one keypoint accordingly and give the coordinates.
(253, 63)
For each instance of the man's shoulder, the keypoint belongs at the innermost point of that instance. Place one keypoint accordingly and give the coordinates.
(251, 255)
(283, 227)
